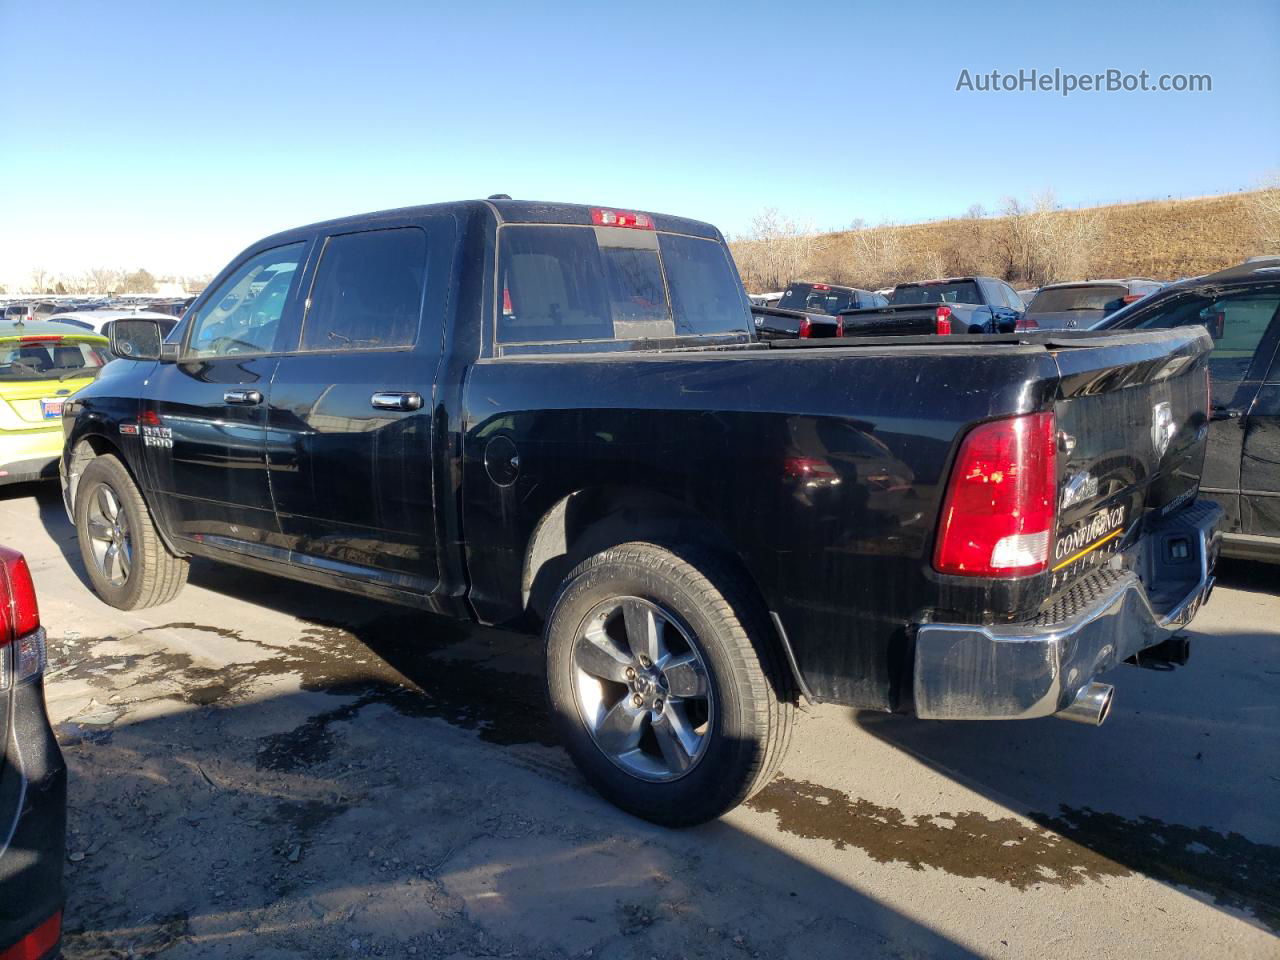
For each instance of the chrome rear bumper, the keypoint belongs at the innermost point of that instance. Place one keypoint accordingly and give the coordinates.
(1036, 669)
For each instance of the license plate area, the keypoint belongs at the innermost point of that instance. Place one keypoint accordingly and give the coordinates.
(51, 407)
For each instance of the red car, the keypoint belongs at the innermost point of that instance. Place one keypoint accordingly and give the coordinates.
(33, 778)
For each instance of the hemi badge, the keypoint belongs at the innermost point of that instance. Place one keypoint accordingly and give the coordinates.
(130, 429)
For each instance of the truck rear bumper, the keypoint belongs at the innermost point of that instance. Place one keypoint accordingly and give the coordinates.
(1036, 669)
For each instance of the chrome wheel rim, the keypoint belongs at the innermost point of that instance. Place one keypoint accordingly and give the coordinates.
(109, 536)
(642, 689)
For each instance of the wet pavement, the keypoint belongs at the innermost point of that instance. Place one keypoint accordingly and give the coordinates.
(264, 769)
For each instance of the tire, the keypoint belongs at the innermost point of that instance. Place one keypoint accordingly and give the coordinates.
(149, 574)
(718, 724)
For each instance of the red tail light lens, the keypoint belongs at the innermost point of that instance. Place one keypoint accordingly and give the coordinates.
(806, 328)
(999, 509)
(621, 218)
(1132, 298)
(808, 468)
(38, 943)
(1026, 323)
(839, 326)
(942, 320)
(18, 595)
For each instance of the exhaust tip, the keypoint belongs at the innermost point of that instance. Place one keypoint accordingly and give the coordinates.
(1092, 704)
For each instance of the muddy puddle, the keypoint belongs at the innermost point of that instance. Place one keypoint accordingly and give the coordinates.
(1076, 847)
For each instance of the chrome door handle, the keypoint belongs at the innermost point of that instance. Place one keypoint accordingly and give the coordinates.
(243, 397)
(396, 401)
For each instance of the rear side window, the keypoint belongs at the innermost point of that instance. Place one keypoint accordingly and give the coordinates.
(1236, 322)
(567, 283)
(367, 291)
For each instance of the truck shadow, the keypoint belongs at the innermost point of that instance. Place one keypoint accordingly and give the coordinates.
(1179, 785)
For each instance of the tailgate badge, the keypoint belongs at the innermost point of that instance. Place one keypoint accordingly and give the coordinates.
(1081, 486)
(1162, 427)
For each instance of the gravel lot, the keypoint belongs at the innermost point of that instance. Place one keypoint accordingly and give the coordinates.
(265, 770)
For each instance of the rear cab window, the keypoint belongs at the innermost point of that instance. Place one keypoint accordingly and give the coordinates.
(602, 283)
(964, 291)
(50, 358)
(817, 298)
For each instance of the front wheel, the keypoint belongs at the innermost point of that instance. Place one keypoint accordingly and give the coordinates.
(128, 564)
(664, 683)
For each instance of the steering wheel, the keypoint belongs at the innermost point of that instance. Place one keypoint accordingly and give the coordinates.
(227, 346)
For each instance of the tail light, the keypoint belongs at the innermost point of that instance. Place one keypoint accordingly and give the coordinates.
(808, 468)
(1132, 297)
(806, 328)
(942, 320)
(39, 943)
(999, 509)
(839, 326)
(1026, 323)
(19, 621)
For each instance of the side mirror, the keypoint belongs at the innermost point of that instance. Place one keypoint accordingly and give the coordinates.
(136, 339)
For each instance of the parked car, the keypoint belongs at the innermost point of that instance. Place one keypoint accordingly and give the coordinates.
(1242, 466)
(951, 306)
(41, 364)
(1081, 305)
(33, 778)
(765, 299)
(546, 414)
(811, 310)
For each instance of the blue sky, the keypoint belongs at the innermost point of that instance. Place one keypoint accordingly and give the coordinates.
(170, 135)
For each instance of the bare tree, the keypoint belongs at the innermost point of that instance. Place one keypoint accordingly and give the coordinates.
(877, 255)
(38, 277)
(101, 280)
(776, 251)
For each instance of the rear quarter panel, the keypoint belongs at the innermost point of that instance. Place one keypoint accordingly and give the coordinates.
(840, 553)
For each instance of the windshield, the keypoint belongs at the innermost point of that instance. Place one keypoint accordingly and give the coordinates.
(804, 297)
(1106, 298)
(962, 291)
(50, 358)
(568, 283)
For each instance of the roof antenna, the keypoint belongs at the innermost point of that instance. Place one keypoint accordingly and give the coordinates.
(498, 196)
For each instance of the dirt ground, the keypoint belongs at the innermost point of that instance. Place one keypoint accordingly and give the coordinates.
(261, 769)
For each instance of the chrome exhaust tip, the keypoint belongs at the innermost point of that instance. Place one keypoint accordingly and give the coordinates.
(1091, 705)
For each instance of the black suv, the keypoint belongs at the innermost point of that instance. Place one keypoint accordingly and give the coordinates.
(1242, 465)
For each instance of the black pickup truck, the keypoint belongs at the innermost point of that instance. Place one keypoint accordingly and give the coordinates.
(558, 417)
(811, 311)
(950, 306)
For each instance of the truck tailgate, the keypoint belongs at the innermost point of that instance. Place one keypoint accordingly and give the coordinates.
(1132, 416)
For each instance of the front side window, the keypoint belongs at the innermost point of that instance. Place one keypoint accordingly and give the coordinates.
(243, 314)
(367, 291)
(1237, 323)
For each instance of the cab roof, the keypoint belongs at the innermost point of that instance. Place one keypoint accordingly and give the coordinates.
(504, 211)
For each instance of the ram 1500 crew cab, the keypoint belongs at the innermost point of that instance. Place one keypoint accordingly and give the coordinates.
(558, 416)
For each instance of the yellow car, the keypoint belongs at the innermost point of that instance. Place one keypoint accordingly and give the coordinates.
(41, 364)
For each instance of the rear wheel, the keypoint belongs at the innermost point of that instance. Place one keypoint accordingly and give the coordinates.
(128, 565)
(664, 683)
